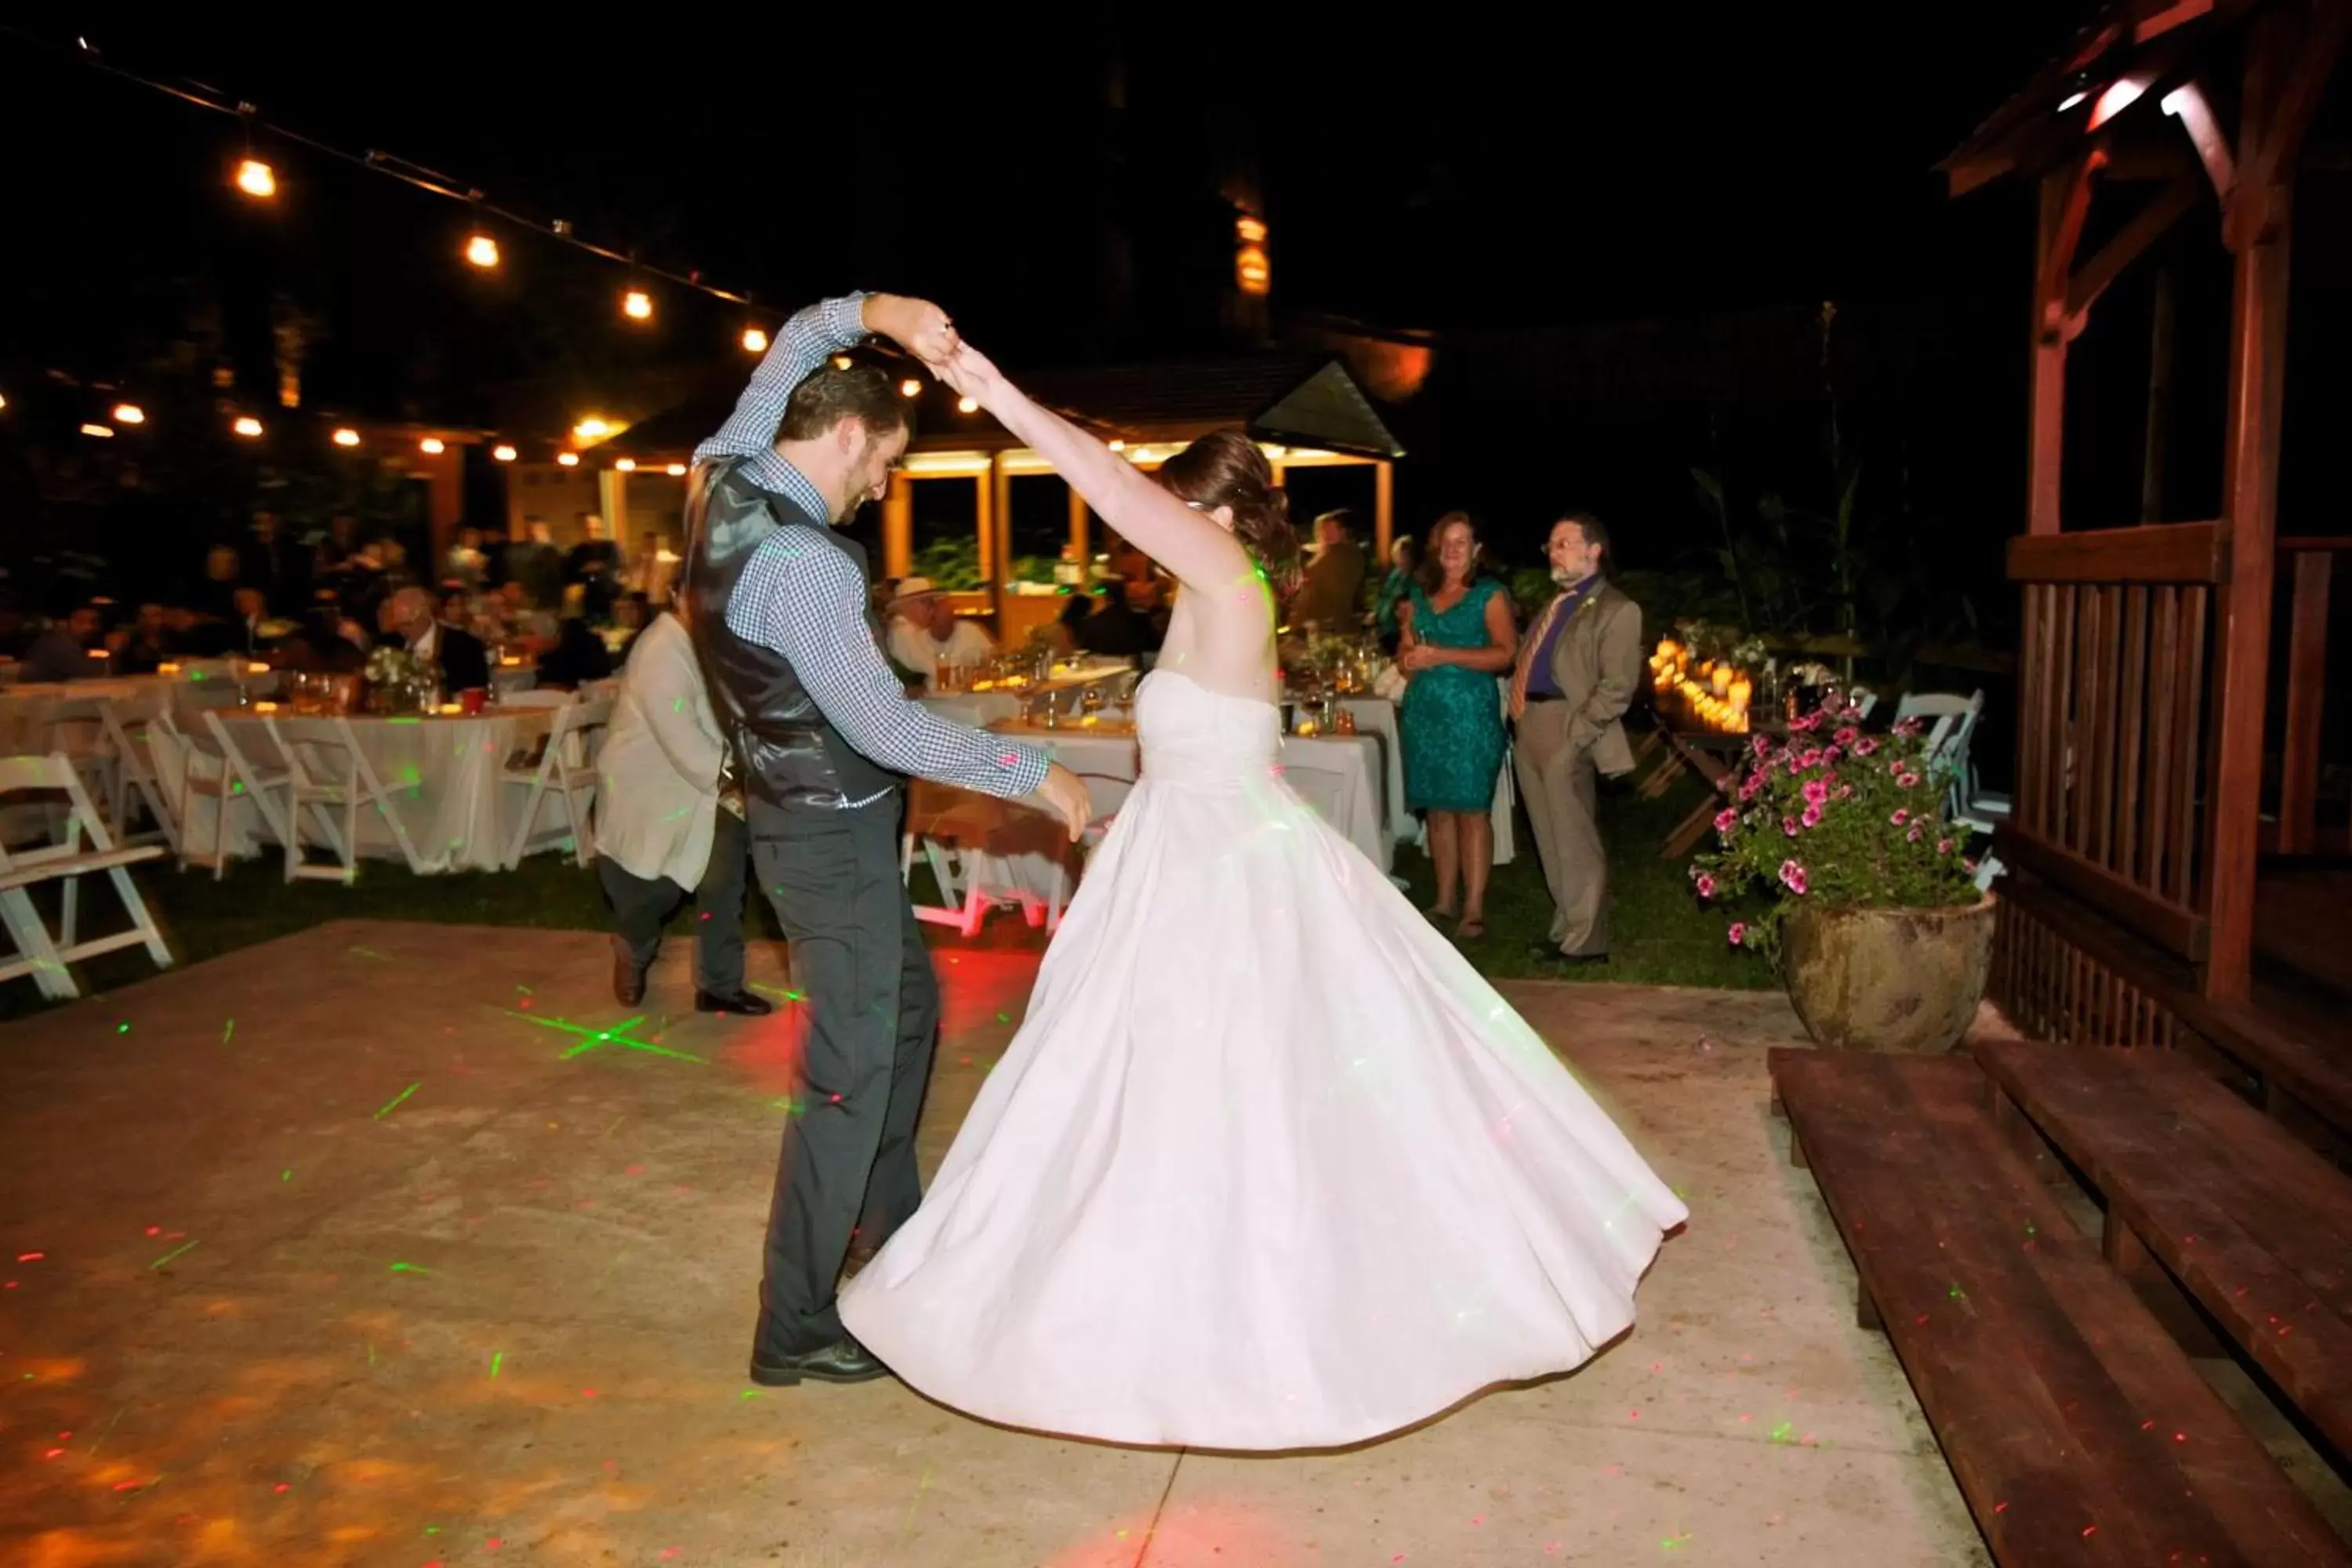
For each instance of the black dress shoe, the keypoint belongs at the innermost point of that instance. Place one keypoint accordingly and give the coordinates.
(741, 1002)
(844, 1361)
(628, 982)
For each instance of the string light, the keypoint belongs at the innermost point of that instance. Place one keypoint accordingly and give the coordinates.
(910, 387)
(247, 427)
(130, 414)
(591, 429)
(256, 179)
(4, 403)
(503, 453)
(101, 431)
(676, 470)
(626, 465)
(968, 405)
(567, 460)
(482, 250)
(431, 446)
(755, 341)
(841, 362)
(347, 438)
(637, 305)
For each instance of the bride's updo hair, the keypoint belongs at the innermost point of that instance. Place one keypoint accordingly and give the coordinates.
(1225, 468)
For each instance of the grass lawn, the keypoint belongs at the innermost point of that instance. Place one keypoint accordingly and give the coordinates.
(1661, 936)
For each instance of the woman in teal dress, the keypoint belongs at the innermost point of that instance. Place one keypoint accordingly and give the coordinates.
(1458, 638)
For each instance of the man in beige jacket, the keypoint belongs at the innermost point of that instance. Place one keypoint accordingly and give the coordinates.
(1579, 667)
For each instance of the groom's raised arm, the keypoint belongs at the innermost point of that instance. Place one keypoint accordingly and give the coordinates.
(801, 345)
(806, 601)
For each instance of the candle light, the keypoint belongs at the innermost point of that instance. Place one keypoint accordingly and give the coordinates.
(264, 707)
(167, 669)
(1721, 678)
(257, 669)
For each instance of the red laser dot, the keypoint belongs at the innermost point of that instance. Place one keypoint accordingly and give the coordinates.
(587, 1394)
(494, 1543)
(53, 1453)
(30, 1257)
(2000, 1508)
(154, 1230)
(2089, 1530)
(281, 1487)
(126, 1486)
(635, 1171)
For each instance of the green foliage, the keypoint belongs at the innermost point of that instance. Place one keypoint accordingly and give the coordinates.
(951, 563)
(1838, 819)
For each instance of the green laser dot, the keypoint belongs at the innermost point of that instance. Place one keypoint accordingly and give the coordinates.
(121, 1028)
(496, 1357)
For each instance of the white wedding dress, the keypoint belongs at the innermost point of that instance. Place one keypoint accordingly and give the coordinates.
(1268, 1166)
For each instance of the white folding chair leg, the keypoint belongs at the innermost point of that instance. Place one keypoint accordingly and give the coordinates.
(36, 954)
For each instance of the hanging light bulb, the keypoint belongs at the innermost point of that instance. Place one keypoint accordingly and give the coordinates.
(591, 429)
(968, 405)
(503, 453)
(256, 179)
(4, 403)
(567, 460)
(347, 437)
(431, 446)
(130, 414)
(482, 250)
(755, 341)
(101, 431)
(676, 470)
(841, 362)
(637, 305)
(626, 465)
(910, 387)
(247, 427)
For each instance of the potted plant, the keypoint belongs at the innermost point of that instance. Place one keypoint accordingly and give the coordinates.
(1870, 903)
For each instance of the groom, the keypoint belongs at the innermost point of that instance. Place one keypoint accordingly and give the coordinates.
(822, 735)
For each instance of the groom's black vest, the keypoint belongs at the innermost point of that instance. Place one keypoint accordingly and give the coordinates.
(788, 751)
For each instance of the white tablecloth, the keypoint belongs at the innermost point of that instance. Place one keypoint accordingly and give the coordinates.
(1378, 716)
(445, 776)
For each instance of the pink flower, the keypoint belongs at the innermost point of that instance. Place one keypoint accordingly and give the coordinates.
(1761, 745)
(1793, 876)
(1831, 754)
(1909, 781)
(1725, 819)
(1706, 886)
(1845, 736)
(1747, 791)
(1788, 825)
(1913, 834)
(1943, 847)
(1864, 746)
(1910, 726)
(1817, 790)
(1738, 934)
(1899, 818)
(1843, 791)
(1811, 759)
(1812, 817)
(1799, 726)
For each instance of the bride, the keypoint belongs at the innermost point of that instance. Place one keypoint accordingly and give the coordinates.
(1268, 1166)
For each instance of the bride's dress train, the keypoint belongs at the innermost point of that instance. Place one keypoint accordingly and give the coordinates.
(1269, 1165)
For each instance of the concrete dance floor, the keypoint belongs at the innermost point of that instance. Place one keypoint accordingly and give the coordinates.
(389, 1244)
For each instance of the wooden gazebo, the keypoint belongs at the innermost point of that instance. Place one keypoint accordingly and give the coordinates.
(2140, 821)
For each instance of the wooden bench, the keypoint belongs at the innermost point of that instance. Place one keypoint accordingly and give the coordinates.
(2078, 1430)
(2253, 1225)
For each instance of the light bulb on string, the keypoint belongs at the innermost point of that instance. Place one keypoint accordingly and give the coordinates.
(482, 251)
(625, 465)
(99, 431)
(910, 387)
(567, 460)
(968, 405)
(247, 427)
(755, 341)
(503, 453)
(676, 470)
(3, 402)
(130, 414)
(841, 362)
(637, 305)
(591, 429)
(432, 445)
(256, 179)
(347, 437)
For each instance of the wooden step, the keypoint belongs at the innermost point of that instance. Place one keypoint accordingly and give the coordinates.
(2078, 1430)
(2253, 1225)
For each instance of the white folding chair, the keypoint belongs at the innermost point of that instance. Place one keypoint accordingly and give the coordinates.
(74, 729)
(327, 770)
(1953, 721)
(83, 847)
(216, 770)
(134, 772)
(569, 762)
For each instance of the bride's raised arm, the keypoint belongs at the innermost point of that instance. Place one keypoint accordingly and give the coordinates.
(1202, 555)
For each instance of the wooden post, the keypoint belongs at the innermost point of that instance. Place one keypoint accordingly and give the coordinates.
(2307, 696)
(2159, 398)
(1080, 545)
(1000, 508)
(2250, 499)
(447, 495)
(1383, 511)
(987, 529)
(613, 502)
(2065, 203)
(898, 527)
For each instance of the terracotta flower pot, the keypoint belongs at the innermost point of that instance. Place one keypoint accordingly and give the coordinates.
(1887, 979)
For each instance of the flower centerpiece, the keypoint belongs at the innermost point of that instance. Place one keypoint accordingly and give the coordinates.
(397, 680)
(1870, 904)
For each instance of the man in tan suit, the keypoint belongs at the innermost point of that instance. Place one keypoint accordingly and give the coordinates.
(1577, 670)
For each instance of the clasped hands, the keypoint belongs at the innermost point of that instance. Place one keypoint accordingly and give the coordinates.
(926, 331)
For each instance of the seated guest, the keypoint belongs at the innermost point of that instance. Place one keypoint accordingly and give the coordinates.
(664, 825)
(926, 635)
(62, 653)
(1118, 629)
(457, 653)
(327, 644)
(217, 595)
(578, 657)
(149, 643)
(1062, 635)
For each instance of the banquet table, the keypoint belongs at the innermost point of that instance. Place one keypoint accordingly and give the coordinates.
(28, 710)
(1377, 716)
(442, 776)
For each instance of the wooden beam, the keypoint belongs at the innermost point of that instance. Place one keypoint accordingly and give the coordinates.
(2155, 16)
(898, 527)
(2157, 438)
(2307, 696)
(1383, 511)
(2046, 432)
(2311, 61)
(2182, 933)
(1080, 545)
(2065, 234)
(2153, 221)
(1000, 506)
(2188, 104)
(2157, 552)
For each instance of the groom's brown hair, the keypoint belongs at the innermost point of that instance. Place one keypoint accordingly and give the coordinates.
(862, 393)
